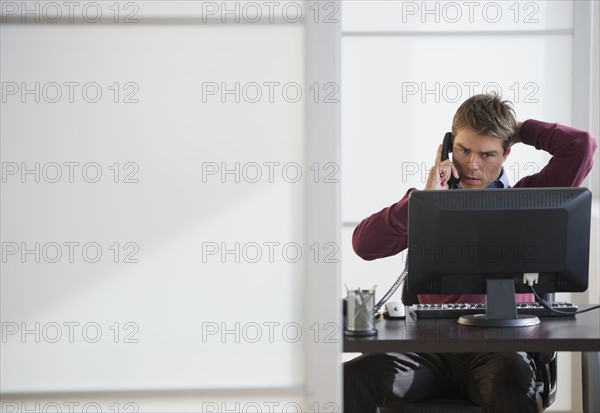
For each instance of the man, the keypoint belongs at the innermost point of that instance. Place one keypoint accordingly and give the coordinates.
(484, 129)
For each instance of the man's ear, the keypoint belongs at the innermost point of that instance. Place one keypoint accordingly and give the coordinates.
(507, 152)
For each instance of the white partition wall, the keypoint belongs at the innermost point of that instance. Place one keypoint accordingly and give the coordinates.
(170, 206)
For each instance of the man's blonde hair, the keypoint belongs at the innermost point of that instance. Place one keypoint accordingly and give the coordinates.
(487, 114)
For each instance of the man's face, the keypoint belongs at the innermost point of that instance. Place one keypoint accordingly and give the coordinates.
(478, 158)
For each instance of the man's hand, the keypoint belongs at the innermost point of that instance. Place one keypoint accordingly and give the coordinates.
(440, 173)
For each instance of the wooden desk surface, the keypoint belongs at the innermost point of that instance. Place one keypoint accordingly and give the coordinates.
(579, 333)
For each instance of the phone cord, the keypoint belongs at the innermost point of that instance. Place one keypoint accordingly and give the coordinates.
(393, 289)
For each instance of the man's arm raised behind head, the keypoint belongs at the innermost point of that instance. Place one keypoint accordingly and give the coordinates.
(572, 153)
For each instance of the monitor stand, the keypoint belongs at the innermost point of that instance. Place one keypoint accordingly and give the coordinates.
(500, 309)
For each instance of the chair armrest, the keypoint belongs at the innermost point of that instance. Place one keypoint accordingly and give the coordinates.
(546, 365)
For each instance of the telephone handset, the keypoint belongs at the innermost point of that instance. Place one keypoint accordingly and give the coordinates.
(446, 149)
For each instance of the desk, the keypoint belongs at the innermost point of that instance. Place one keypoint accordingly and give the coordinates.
(581, 333)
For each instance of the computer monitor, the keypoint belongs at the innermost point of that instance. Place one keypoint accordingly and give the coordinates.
(491, 241)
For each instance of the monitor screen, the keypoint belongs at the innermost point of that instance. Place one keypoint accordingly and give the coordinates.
(459, 240)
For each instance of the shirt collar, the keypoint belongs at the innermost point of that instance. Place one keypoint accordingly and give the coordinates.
(501, 182)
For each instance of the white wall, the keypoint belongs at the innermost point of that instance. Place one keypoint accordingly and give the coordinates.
(211, 305)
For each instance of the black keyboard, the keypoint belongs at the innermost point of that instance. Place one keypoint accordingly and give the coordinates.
(456, 310)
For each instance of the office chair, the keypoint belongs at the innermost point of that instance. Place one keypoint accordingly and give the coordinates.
(545, 378)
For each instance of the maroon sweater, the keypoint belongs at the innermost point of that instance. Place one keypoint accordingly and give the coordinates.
(385, 233)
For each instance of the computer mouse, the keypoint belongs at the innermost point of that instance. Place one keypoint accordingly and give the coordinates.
(395, 309)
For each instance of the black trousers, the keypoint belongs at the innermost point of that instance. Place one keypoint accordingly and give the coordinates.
(497, 382)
